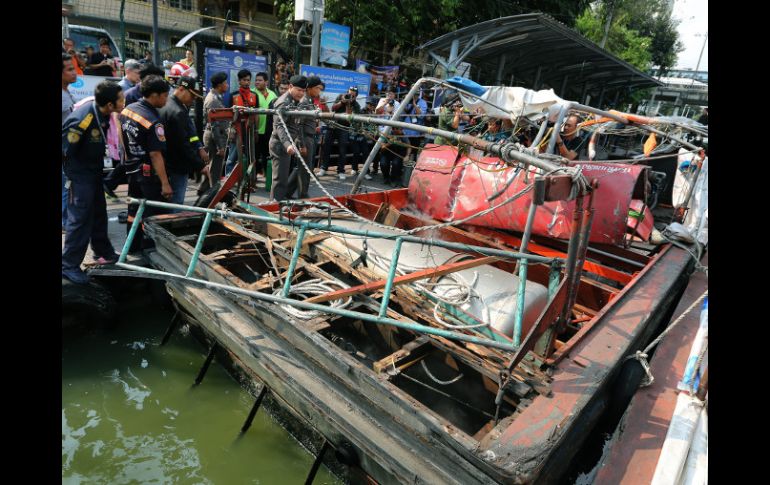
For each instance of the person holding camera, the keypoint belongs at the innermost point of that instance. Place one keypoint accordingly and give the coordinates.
(389, 103)
(450, 117)
(345, 103)
(101, 63)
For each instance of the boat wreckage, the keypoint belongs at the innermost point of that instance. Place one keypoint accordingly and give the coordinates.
(466, 329)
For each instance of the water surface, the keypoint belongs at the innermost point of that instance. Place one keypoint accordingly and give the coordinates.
(131, 415)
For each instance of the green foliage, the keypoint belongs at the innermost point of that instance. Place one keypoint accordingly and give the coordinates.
(641, 33)
(382, 30)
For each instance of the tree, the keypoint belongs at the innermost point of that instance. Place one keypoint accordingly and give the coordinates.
(390, 28)
(641, 32)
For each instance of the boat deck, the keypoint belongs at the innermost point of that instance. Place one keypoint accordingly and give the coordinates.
(635, 447)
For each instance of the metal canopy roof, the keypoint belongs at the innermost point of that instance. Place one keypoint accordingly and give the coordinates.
(531, 50)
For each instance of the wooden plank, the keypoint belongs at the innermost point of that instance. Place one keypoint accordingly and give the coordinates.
(400, 280)
(584, 309)
(415, 350)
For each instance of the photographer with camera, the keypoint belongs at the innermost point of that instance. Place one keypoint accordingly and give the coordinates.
(345, 103)
(101, 63)
(388, 104)
(450, 117)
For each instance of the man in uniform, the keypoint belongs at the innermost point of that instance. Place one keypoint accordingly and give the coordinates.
(144, 139)
(215, 134)
(301, 131)
(182, 155)
(83, 145)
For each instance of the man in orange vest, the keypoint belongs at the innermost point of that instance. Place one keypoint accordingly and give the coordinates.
(243, 97)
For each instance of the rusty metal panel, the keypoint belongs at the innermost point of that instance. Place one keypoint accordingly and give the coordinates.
(447, 187)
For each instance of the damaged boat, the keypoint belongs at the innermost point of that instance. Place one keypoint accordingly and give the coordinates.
(466, 329)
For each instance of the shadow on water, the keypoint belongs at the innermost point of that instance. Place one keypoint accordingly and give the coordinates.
(130, 414)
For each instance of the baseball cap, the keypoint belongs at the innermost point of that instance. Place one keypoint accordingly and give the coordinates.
(353, 88)
(314, 81)
(191, 84)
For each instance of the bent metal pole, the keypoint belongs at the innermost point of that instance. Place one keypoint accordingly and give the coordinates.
(506, 151)
(381, 139)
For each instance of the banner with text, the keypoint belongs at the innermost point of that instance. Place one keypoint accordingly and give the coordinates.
(338, 81)
(85, 86)
(231, 62)
(335, 44)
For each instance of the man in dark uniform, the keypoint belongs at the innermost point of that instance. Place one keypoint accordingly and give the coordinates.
(144, 139)
(132, 95)
(215, 134)
(301, 131)
(83, 144)
(183, 154)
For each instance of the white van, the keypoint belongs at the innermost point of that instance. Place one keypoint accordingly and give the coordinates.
(85, 36)
(89, 36)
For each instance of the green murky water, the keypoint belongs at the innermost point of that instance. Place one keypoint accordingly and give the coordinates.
(131, 415)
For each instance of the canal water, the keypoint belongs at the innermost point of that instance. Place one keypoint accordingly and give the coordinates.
(131, 415)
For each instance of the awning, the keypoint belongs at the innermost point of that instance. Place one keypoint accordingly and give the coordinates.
(535, 51)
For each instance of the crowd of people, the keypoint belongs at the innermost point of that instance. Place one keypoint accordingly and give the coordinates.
(143, 122)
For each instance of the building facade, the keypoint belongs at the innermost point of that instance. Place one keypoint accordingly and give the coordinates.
(176, 18)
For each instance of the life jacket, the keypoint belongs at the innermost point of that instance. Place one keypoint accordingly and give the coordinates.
(251, 98)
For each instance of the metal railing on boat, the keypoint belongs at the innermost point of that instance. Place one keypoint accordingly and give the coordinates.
(498, 341)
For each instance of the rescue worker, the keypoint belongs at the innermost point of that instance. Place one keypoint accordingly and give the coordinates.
(243, 97)
(301, 131)
(182, 155)
(215, 134)
(83, 145)
(144, 139)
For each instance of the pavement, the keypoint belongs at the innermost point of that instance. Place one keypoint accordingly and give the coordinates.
(117, 231)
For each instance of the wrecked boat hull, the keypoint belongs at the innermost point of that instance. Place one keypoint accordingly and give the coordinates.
(398, 439)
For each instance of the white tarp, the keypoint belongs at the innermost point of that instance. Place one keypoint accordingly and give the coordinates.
(696, 220)
(517, 101)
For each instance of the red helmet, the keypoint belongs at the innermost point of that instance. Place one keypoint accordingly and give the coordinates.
(180, 69)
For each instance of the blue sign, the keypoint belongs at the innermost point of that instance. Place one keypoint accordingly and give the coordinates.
(338, 81)
(239, 37)
(231, 62)
(335, 43)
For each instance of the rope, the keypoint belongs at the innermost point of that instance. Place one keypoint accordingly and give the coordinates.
(439, 381)
(313, 287)
(576, 177)
(323, 189)
(642, 356)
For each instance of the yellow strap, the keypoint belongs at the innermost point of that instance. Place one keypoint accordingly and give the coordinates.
(137, 117)
(86, 121)
(194, 138)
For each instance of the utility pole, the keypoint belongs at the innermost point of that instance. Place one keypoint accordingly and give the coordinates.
(315, 46)
(155, 51)
(123, 32)
(697, 66)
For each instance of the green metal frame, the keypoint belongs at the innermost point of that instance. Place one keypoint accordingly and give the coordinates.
(495, 340)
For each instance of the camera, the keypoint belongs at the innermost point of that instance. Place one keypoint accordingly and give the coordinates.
(391, 102)
(346, 97)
